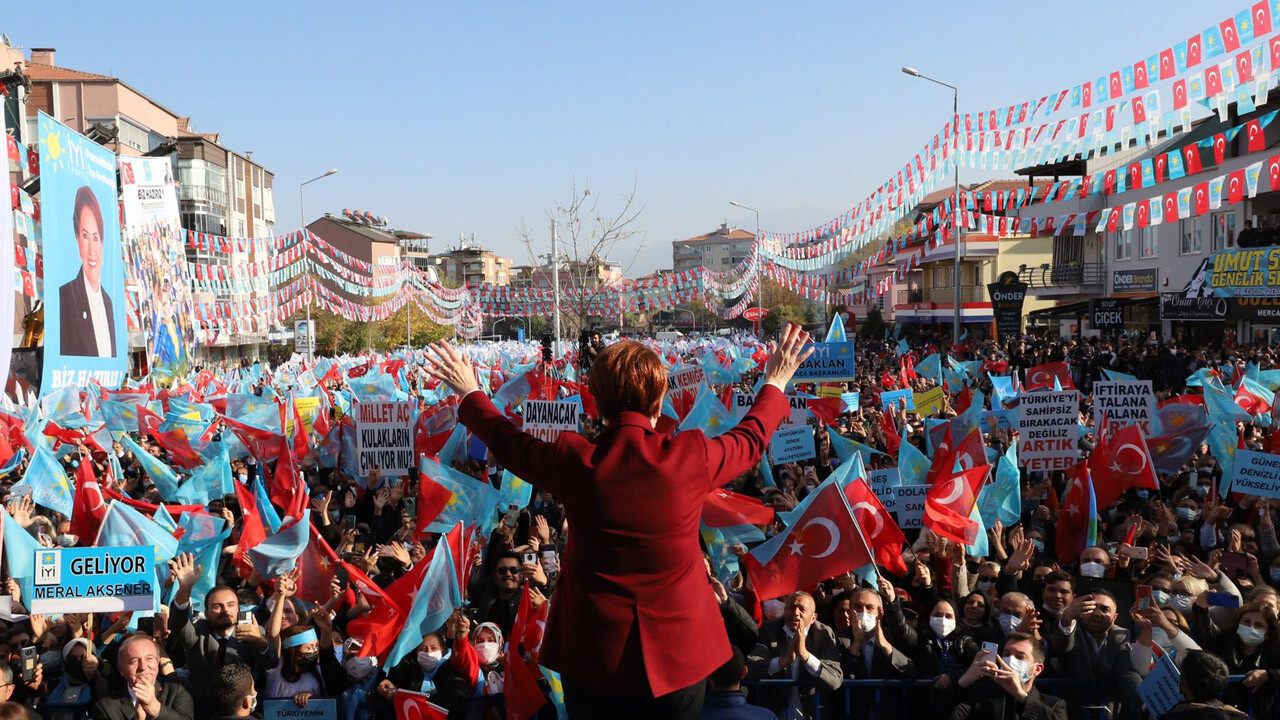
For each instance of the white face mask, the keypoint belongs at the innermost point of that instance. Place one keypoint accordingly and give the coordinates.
(942, 626)
(488, 652)
(1009, 623)
(866, 621)
(1022, 668)
(1251, 636)
(1092, 569)
(429, 660)
(358, 668)
(1181, 603)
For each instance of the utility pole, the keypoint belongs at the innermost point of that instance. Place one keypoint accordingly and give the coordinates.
(555, 274)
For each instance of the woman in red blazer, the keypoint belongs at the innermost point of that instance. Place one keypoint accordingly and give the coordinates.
(634, 627)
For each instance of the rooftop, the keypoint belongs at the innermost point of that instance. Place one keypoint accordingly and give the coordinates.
(720, 235)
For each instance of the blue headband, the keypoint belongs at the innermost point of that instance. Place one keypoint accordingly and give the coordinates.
(300, 639)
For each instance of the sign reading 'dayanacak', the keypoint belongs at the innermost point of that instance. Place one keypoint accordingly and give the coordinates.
(1047, 434)
(547, 419)
(384, 436)
(1124, 402)
(93, 579)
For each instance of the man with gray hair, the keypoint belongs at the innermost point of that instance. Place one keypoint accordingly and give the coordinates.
(798, 647)
(144, 696)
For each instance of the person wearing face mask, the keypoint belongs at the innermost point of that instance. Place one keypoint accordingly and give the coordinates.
(1093, 648)
(943, 654)
(865, 651)
(798, 647)
(433, 670)
(362, 676)
(1251, 647)
(1156, 627)
(298, 676)
(233, 693)
(1017, 614)
(1095, 562)
(1003, 688)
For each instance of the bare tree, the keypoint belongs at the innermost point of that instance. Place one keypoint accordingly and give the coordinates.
(588, 238)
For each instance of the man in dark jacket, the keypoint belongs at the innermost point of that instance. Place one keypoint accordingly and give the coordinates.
(233, 692)
(725, 700)
(143, 696)
(797, 647)
(218, 640)
(1003, 688)
(1204, 678)
(1093, 648)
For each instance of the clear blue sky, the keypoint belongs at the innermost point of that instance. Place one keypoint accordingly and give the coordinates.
(468, 117)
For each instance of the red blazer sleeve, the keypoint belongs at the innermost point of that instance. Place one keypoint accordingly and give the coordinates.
(465, 660)
(736, 451)
(525, 455)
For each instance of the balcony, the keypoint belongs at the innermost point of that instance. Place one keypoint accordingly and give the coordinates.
(942, 296)
(1066, 279)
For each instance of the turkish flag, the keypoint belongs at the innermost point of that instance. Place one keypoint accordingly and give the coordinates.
(1179, 94)
(1219, 148)
(318, 565)
(415, 706)
(1230, 39)
(1073, 519)
(264, 444)
(1274, 44)
(1235, 187)
(1167, 67)
(724, 508)
(949, 502)
(1170, 207)
(432, 500)
(996, 366)
(523, 694)
(1043, 376)
(827, 409)
(1120, 461)
(1139, 110)
(892, 440)
(1273, 172)
(1200, 199)
(878, 526)
(1140, 75)
(252, 530)
(1212, 80)
(1117, 89)
(433, 426)
(1244, 67)
(1160, 163)
(90, 506)
(1111, 117)
(970, 452)
(1142, 212)
(1261, 13)
(1109, 182)
(822, 543)
(380, 628)
(1256, 137)
(1191, 158)
(174, 441)
(147, 508)
(1113, 219)
(1086, 93)
(1193, 50)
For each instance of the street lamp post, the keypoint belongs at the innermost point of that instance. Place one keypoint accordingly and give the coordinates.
(702, 260)
(759, 265)
(955, 200)
(302, 213)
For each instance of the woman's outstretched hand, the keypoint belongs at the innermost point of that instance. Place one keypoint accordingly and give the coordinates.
(787, 356)
(445, 364)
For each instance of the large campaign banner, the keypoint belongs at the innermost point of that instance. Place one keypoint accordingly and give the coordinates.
(84, 325)
(7, 298)
(1240, 272)
(830, 361)
(156, 274)
(93, 579)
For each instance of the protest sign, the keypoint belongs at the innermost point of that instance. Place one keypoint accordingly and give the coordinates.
(928, 402)
(742, 403)
(792, 445)
(851, 401)
(1256, 473)
(830, 391)
(830, 361)
(895, 398)
(1047, 429)
(1124, 402)
(93, 579)
(1161, 688)
(316, 709)
(384, 437)
(882, 484)
(909, 505)
(685, 378)
(547, 419)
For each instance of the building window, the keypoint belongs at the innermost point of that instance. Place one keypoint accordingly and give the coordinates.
(1192, 232)
(1147, 243)
(1124, 244)
(1224, 230)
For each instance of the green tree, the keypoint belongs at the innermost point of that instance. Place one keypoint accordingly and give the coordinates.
(873, 324)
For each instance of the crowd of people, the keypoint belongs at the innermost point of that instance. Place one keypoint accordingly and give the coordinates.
(1180, 570)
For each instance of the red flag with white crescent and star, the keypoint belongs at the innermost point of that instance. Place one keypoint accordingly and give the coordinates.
(1120, 461)
(878, 526)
